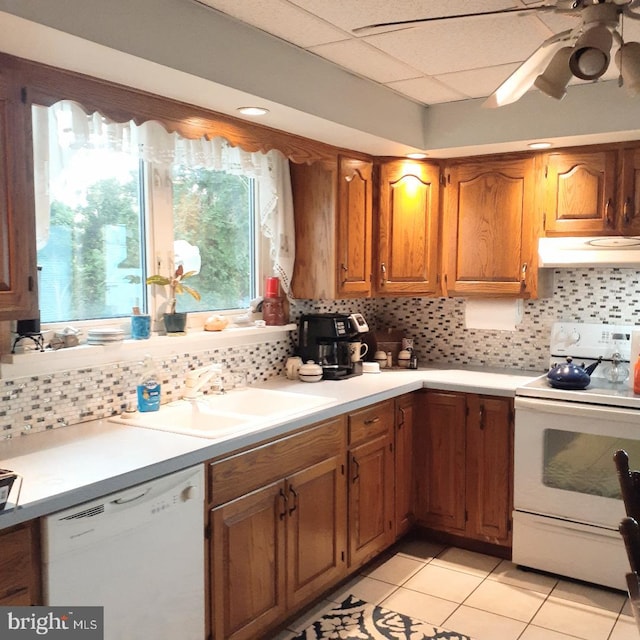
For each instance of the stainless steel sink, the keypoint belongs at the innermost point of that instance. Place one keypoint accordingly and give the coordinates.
(222, 416)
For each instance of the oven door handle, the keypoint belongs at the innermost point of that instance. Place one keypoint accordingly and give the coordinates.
(576, 409)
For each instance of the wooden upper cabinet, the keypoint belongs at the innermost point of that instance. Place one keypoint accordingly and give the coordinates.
(355, 194)
(407, 250)
(629, 193)
(489, 228)
(333, 215)
(580, 192)
(18, 279)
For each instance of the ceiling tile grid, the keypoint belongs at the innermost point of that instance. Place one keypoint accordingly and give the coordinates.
(431, 63)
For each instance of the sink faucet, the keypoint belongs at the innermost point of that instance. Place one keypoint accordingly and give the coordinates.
(196, 379)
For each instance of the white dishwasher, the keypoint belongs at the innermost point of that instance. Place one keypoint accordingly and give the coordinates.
(138, 553)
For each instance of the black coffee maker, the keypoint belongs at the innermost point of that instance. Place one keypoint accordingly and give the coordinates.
(324, 338)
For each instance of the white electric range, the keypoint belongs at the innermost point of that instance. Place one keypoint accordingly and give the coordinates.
(567, 503)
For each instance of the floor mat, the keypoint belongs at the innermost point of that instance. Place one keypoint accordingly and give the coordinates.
(360, 620)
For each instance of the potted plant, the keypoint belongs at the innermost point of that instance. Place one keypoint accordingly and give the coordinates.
(175, 322)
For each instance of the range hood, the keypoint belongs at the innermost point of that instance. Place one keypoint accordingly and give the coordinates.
(604, 251)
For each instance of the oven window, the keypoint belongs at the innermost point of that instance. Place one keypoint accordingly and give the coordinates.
(583, 462)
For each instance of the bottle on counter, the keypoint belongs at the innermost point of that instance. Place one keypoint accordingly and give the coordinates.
(149, 387)
(636, 377)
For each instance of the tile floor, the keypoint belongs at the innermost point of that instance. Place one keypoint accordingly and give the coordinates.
(482, 596)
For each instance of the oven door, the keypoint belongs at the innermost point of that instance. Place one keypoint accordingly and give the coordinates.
(564, 459)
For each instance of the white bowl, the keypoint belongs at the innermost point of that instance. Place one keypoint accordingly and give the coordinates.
(310, 377)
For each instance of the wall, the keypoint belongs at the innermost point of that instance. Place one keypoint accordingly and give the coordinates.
(47, 401)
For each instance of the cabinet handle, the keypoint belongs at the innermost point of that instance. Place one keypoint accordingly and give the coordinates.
(628, 210)
(295, 500)
(401, 423)
(372, 420)
(344, 269)
(383, 269)
(481, 417)
(283, 513)
(607, 217)
(445, 286)
(523, 275)
(356, 466)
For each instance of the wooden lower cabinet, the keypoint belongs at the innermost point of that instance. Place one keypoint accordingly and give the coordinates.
(371, 482)
(278, 546)
(20, 575)
(404, 493)
(464, 465)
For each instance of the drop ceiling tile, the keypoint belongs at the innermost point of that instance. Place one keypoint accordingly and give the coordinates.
(475, 42)
(365, 60)
(349, 15)
(477, 83)
(281, 19)
(426, 90)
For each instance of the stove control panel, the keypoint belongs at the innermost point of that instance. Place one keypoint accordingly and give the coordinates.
(590, 341)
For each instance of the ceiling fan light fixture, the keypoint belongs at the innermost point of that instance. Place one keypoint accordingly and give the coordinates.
(628, 61)
(555, 78)
(591, 53)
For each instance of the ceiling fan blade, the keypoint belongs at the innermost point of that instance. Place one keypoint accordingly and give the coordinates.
(522, 79)
(406, 24)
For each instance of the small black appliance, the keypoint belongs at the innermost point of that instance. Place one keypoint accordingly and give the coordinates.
(324, 338)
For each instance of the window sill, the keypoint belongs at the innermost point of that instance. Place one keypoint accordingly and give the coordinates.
(43, 363)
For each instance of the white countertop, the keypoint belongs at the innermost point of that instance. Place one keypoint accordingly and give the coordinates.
(70, 465)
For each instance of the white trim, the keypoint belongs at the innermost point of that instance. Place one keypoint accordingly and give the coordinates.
(48, 362)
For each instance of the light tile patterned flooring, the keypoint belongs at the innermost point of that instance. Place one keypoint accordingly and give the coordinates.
(482, 596)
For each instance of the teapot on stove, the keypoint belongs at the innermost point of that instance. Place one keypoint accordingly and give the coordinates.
(568, 375)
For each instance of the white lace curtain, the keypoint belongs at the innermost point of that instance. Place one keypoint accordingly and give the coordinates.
(63, 127)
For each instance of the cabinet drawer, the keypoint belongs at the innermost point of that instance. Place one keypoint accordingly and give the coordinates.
(369, 422)
(245, 472)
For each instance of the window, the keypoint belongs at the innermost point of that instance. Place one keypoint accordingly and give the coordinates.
(118, 202)
(213, 211)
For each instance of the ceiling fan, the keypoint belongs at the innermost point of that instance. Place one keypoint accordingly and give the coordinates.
(583, 52)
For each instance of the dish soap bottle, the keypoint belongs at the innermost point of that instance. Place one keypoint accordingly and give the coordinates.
(636, 376)
(149, 387)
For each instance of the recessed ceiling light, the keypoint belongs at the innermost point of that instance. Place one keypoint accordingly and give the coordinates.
(253, 111)
(417, 156)
(539, 145)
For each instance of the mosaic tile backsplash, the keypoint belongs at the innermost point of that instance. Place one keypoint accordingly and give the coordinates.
(437, 326)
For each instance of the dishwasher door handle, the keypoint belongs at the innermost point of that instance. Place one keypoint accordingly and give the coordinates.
(131, 499)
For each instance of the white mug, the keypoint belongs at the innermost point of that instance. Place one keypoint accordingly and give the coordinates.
(292, 367)
(358, 350)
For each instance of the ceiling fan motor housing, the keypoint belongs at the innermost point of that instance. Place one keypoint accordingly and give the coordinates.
(592, 51)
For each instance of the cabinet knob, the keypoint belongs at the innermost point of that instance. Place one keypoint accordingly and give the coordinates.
(523, 275)
(383, 269)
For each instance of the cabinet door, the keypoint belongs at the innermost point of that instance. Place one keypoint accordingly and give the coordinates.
(489, 466)
(316, 529)
(18, 281)
(20, 565)
(355, 193)
(314, 190)
(629, 198)
(407, 260)
(370, 498)
(440, 461)
(248, 554)
(404, 464)
(579, 192)
(488, 245)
